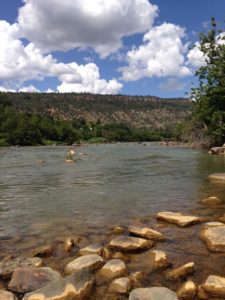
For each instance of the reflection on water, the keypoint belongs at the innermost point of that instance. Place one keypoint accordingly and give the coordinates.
(109, 184)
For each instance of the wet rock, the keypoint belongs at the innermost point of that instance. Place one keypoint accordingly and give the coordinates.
(4, 295)
(29, 279)
(160, 259)
(214, 286)
(70, 161)
(147, 233)
(214, 237)
(153, 293)
(211, 224)
(220, 177)
(120, 286)
(118, 230)
(43, 251)
(178, 218)
(211, 201)
(69, 244)
(120, 255)
(90, 262)
(187, 291)
(135, 278)
(114, 268)
(130, 244)
(92, 249)
(106, 253)
(77, 286)
(181, 272)
(8, 267)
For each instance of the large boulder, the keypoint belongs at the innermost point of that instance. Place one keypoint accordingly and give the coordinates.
(153, 293)
(114, 268)
(90, 262)
(146, 233)
(4, 295)
(214, 236)
(178, 218)
(181, 272)
(29, 279)
(130, 244)
(77, 286)
(220, 177)
(214, 286)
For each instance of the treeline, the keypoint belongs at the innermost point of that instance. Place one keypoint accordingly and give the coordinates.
(25, 129)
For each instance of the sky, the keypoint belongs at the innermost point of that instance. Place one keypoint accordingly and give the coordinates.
(132, 47)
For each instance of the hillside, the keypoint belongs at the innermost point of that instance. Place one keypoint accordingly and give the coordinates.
(134, 111)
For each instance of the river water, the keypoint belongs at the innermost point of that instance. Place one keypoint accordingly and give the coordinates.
(111, 184)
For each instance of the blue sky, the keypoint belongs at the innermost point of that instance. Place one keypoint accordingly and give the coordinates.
(135, 47)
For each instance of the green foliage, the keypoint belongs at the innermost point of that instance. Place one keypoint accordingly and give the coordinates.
(210, 94)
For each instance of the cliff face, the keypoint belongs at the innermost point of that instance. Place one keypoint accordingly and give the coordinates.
(135, 111)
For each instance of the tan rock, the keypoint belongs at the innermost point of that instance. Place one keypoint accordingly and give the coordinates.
(214, 237)
(4, 295)
(114, 268)
(118, 230)
(211, 201)
(187, 291)
(153, 293)
(43, 251)
(106, 253)
(135, 278)
(160, 259)
(214, 286)
(120, 255)
(91, 249)
(90, 262)
(220, 177)
(212, 224)
(202, 293)
(147, 233)
(77, 286)
(120, 286)
(178, 218)
(181, 272)
(69, 244)
(130, 244)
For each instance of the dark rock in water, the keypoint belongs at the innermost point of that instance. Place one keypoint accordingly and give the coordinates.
(181, 272)
(4, 295)
(43, 251)
(9, 266)
(153, 293)
(30, 279)
(130, 244)
(77, 286)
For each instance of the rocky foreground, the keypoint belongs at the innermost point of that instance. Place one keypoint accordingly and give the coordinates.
(100, 271)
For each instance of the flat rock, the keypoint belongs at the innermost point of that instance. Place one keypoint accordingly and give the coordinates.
(146, 233)
(217, 177)
(187, 291)
(215, 286)
(160, 259)
(120, 286)
(211, 201)
(29, 279)
(130, 244)
(91, 249)
(181, 272)
(9, 266)
(90, 262)
(43, 251)
(4, 295)
(214, 238)
(153, 293)
(114, 268)
(178, 218)
(77, 286)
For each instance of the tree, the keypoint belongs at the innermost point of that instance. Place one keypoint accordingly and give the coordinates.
(210, 94)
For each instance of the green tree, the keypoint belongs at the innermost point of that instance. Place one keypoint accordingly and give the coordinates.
(210, 94)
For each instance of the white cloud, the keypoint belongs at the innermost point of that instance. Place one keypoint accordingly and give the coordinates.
(96, 24)
(162, 54)
(172, 84)
(19, 63)
(196, 57)
(29, 89)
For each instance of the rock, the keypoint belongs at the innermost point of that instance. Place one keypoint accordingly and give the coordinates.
(114, 268)
(90, 262)
(214, 286)
(120, 255)
(153, 293)
(29, 279)
(178, 218)
(4, 295)
(106, 253)
(43, 251)
(217, 177)
(160, 259)
(91, 249)
(69, 161)
(69, 244)
(130, 244)
(120, 286)
(214, 238)
(118, 230)
(211, 201)
(147, 233)
(181, 272)
(77, 286)
(8, 267)
(211, 224)
(187, 291)
(218, 150)
(135, 278)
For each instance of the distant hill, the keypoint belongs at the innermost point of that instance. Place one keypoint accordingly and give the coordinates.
(135, 111)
